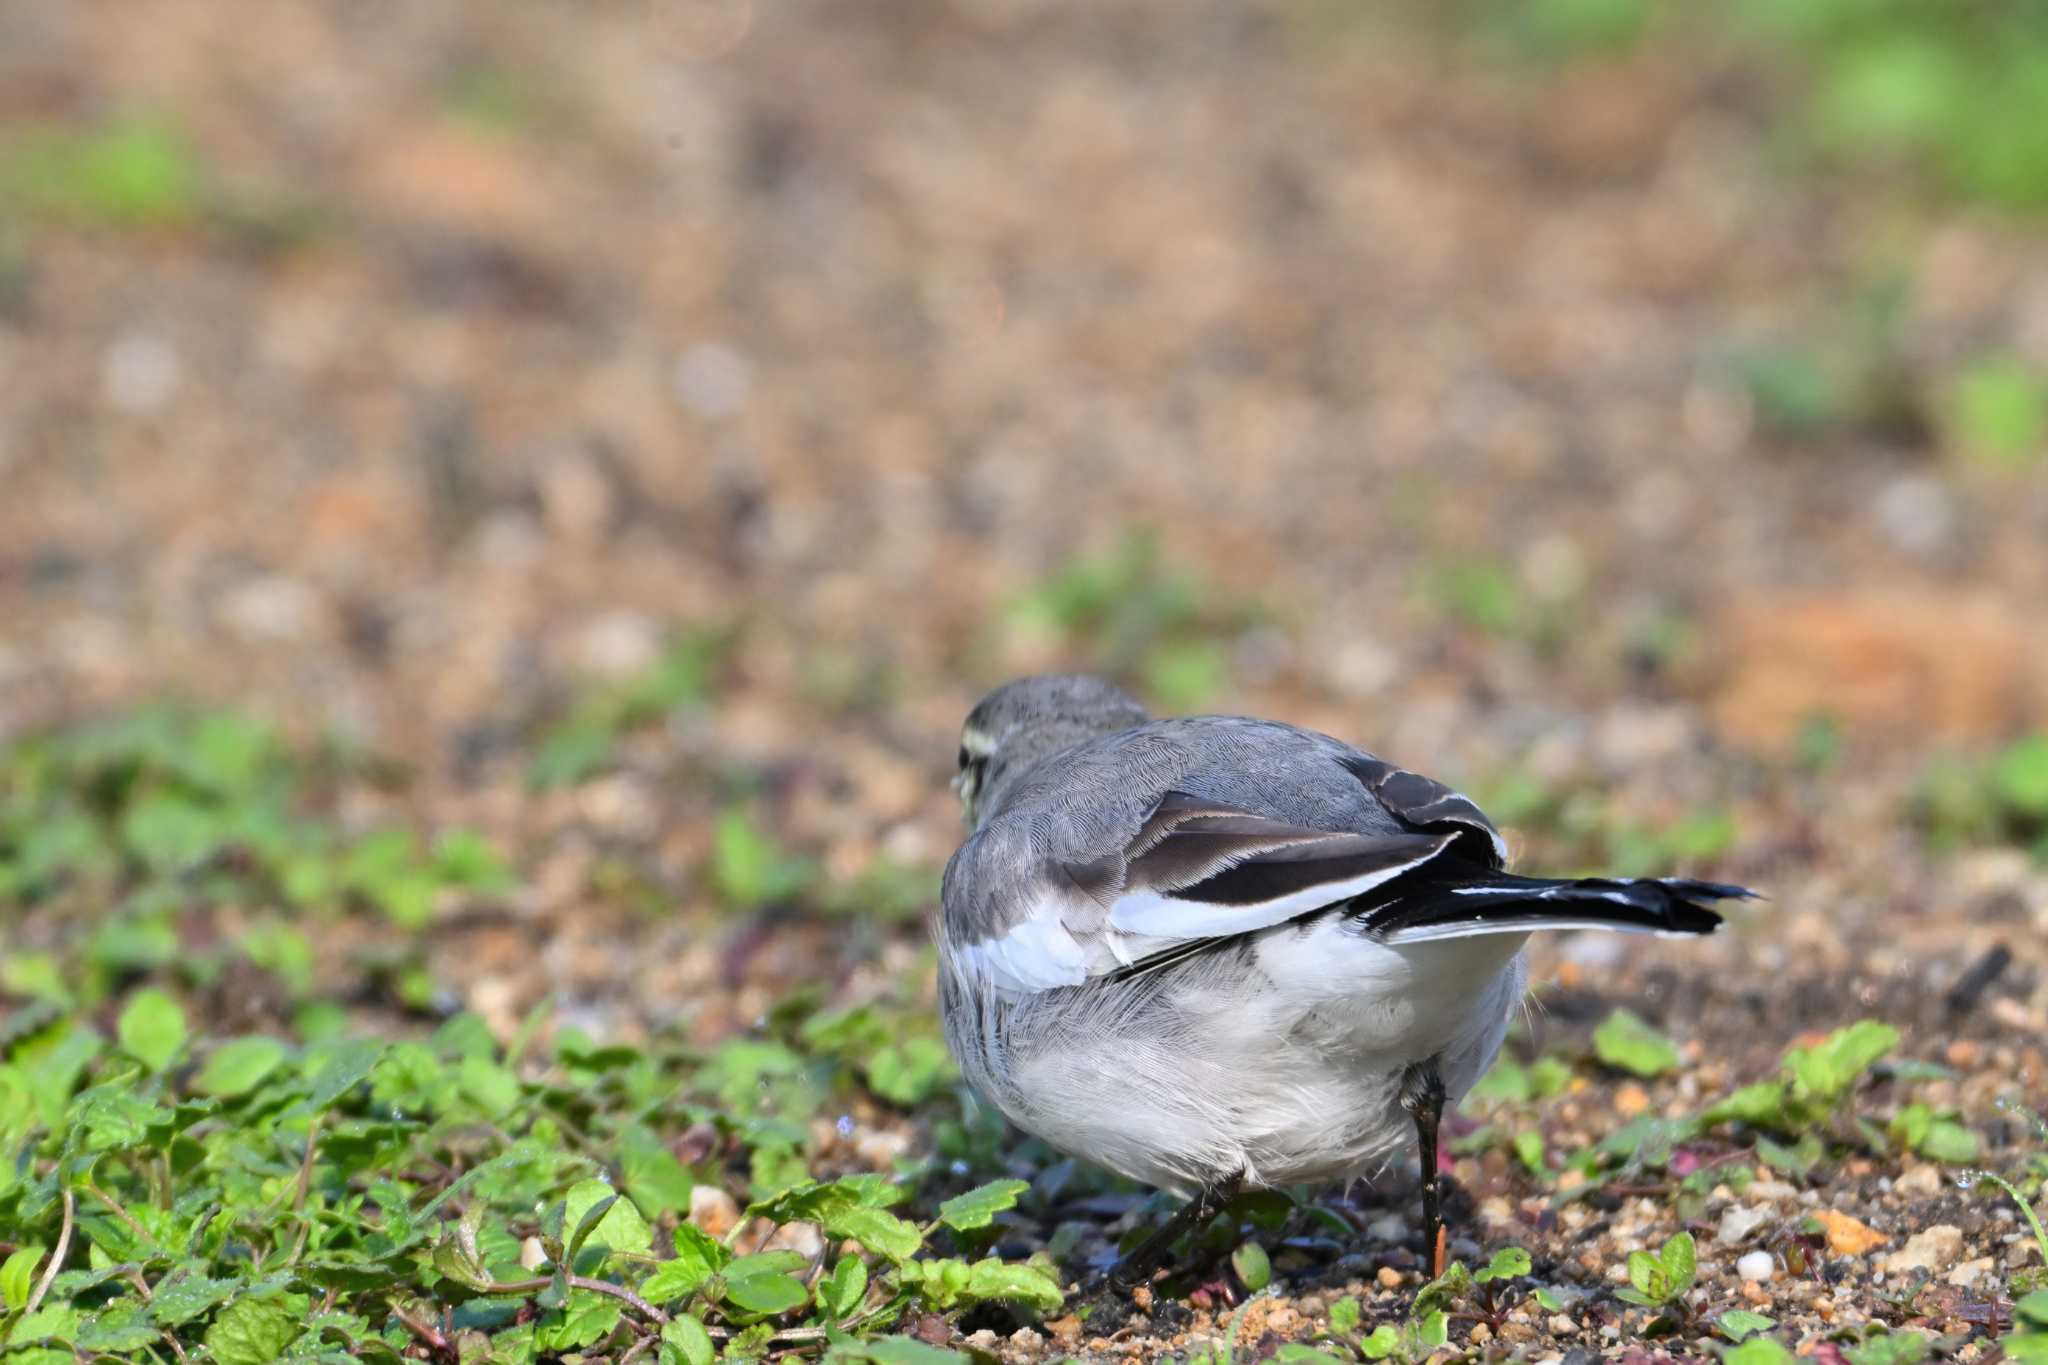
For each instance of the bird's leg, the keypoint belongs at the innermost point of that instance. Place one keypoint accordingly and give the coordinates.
(1145, 1258)
(1422, 1094)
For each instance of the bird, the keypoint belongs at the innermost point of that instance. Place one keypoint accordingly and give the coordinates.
(1214, 953)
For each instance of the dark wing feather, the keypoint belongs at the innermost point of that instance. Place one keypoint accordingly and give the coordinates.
(1428, 804)
(1200, 870)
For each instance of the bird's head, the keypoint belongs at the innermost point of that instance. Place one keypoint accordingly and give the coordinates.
(1021, 722)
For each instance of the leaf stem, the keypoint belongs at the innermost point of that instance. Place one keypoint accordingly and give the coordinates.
(121, 1213)
(57, 1256)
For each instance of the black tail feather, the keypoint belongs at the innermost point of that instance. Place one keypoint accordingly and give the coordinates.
(1498, 903)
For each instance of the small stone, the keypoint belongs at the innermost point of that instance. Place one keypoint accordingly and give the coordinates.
(1757, 1266)
(1481, 1334)
(1920, 1178)
(984, 1340)
(1392, 1228)
(1631, 1100)
(711, 379)
(1562, 1325)
(713, 1210)
(1142, 1297)
(1963, 1054)
(1966, 1275)
(1027, 1340)
(1936, 1249)
(1848, 1236)
(1067, 1329)
(1739, 1222)
(802, 1238)
(139, 373)
(1388, 1277)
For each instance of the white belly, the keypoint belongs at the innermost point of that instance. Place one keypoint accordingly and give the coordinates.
(1284, 1060)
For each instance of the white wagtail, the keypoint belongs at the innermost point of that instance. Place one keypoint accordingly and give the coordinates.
(1214, 952)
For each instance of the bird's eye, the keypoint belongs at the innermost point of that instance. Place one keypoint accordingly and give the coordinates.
(961, 762)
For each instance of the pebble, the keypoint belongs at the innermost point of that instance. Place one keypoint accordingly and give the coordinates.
(1848, 1236)
(1738, 1221)
(1921, 1178)
(713, 1210)
(1757, 1266)
(1936, 1248)
(1388, 1277)
(1967, 1274)
(139, 373)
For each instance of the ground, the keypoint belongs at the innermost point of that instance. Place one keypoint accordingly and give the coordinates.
(592, 459)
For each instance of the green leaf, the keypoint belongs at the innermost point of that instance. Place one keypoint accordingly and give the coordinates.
(152, 1028)
(1507, 1263)
(494, 1089)
(993, 1280)
(253, 1331)
(239, 1066)
(840, 1294)
(2033, 1308)
(2021, 776)
(1762, 1105)
(1296, 1353)
(1383, 1342)
(17, 1274)
(1434, 1330)
(586, 1318)
(698, 1257)
(1254, 1268)
(878, 1230)
(1799, 1158)
(657, 1181)
(184, 1295)
(1758, 1350)
(1680, 1262)
(1996, 410)
(120, 1328)
(1646, 1276)
(766, 1292)
(601, 1219)
(1738, 1323)
(1892, 1348)
(748, 868)
(1626, 1042)
(685, 1342)
(1828, 1070)
(1345, 1314)
(979, 1206)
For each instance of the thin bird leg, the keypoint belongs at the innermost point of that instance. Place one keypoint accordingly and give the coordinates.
(1146, 1258)
(1423, 1095)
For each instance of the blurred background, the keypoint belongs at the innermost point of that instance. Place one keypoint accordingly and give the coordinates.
(512, 501)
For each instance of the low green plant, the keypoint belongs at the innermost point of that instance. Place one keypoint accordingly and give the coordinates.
(1130, 614)
(1886, 1347)
(132, 172)
(749, 869)
(1995, 410)
(2027, 1343)
(1626, 1043)
(581, 743)
(138, 819)
(1661, 1280)
(2001, 798)
(171, 1195)
(1739, 1324)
